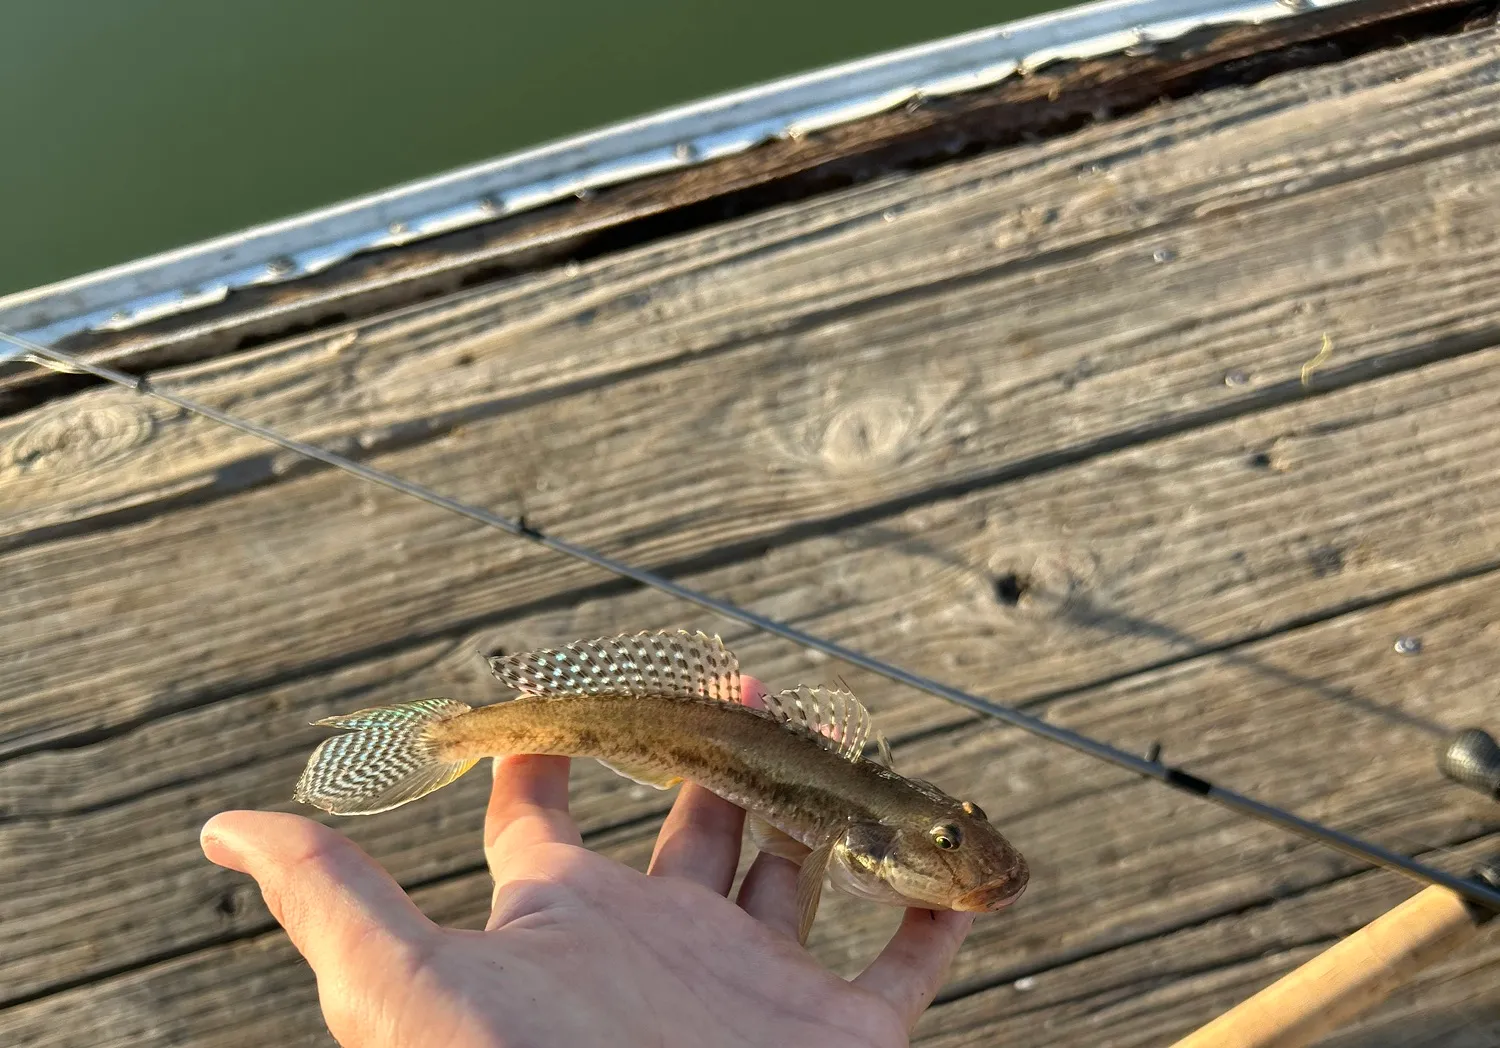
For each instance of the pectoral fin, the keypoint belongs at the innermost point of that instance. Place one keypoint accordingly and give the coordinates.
(768, 838)
(644, 776)
(810, 887)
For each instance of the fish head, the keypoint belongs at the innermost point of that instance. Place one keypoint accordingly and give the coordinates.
(948, 857)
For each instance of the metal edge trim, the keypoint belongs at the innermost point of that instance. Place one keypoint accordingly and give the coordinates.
(121, 297)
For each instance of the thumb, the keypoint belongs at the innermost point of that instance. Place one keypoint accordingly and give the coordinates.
(337, 905)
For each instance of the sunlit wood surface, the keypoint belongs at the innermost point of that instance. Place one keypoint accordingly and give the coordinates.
(1051, 424)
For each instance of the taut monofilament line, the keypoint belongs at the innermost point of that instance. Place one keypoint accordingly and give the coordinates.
(1472, 889)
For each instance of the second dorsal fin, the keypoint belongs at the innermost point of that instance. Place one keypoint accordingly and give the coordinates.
(665, 664)
(835, 718)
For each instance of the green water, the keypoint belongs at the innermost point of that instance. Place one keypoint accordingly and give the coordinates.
(134, 126)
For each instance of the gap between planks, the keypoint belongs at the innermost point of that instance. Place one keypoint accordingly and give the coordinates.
(977, 745)
(1293, 452)
(1048, 382)
(732, 552)
(651, 309)
(1377, 476)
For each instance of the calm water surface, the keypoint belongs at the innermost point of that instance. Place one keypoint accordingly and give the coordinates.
(134, 126)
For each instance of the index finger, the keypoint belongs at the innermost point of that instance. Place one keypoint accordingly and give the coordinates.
(700, 839)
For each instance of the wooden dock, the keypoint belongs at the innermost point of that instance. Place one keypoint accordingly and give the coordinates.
(1166, 428)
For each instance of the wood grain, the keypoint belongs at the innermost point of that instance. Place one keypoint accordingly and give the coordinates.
(1136, 889)
(841, 406)
(1139, 556)
(1033, 424)
(1147, 993)
(1048, 101)
(1148, 555)
(1016, 219)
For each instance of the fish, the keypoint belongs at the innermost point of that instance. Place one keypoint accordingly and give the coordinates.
(662, 708)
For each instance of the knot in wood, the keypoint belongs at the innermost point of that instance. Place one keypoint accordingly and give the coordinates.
(863, 422)
(72, 438)
(1045, 583)
(868, 432)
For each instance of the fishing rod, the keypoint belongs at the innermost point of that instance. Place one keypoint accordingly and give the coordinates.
(1150, 766)
(1349, 978)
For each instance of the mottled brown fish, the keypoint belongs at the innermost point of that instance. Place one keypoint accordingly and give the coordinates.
(661, 708)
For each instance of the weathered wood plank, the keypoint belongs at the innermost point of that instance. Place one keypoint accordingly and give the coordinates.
(164, 1004)
(839, 404)
(1118, 859)
(1453, 1005)
(420, 371)
(202, 630)
(1456, 1006)
(1150, 993)
(1139, 557)
(1126, 874)
(1053, 98)
(383, 381)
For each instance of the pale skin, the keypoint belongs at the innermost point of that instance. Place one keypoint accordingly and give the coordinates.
(579, 950)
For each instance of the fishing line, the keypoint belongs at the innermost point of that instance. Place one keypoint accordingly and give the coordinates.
(1150, 767)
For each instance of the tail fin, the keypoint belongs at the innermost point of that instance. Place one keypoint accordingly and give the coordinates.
(386, 759)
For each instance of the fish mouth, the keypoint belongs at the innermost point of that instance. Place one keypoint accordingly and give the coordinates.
(991, 898)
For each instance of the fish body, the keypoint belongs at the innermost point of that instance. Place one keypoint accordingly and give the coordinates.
(662, 708)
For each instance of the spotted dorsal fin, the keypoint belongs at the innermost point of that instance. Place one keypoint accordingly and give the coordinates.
(655, 665)
(836, 719)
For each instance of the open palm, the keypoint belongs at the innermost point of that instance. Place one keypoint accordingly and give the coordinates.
(579, 950)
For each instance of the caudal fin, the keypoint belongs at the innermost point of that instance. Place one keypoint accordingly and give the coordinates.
(386, 759)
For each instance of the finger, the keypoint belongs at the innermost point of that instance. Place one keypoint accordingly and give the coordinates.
(336, 904)
(753, 693)
(769, 892)
(528, 806)
(700, 840)
(911, 969)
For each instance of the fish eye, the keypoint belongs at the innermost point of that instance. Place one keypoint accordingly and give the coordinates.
(947, 837)
(970, 808)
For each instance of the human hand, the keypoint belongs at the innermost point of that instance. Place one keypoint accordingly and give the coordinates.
(579, 950)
